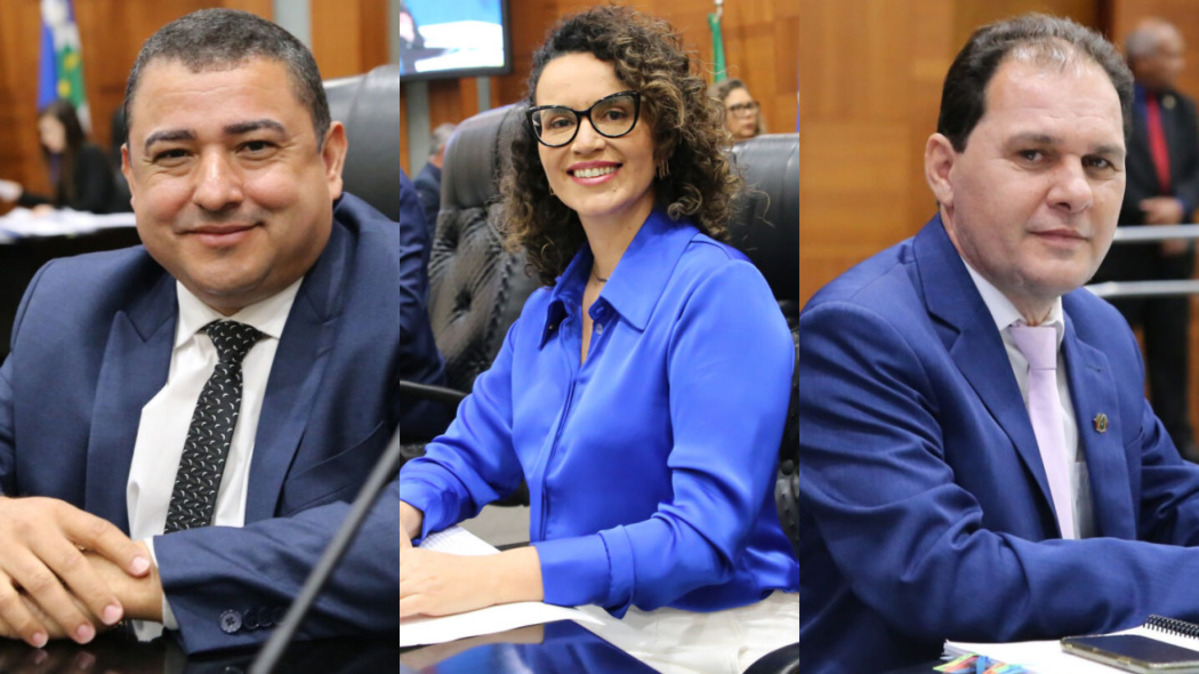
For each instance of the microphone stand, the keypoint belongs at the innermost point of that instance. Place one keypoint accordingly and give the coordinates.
(273, 650)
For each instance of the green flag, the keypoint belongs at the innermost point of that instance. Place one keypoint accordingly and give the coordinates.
(717, 45)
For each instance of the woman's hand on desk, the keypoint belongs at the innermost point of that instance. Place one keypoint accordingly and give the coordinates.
(437, 583)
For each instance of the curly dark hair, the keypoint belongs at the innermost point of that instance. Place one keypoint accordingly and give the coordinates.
(687, 128)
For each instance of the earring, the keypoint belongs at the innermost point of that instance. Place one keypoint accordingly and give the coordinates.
(551, 189)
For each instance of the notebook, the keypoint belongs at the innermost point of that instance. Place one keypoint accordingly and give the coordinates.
(1046, 657)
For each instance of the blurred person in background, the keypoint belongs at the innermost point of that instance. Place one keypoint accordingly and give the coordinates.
(81, 176)
(428, 181)
(742, 114)
(1162, 189)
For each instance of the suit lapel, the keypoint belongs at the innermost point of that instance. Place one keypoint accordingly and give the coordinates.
(975, 344)
(1093, 392)
(137, 358)
(296, 374)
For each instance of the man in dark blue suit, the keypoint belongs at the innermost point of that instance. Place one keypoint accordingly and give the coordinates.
(123, 414)
(428, 181)
(956, 482)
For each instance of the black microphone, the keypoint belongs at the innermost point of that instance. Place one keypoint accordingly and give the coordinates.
(273, 650)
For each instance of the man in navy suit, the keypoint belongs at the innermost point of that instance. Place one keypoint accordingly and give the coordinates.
(235, 172)
(936, 505)
(1162, 189)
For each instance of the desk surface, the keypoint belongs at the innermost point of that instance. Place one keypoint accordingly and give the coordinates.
(560, 647)
(120, 655)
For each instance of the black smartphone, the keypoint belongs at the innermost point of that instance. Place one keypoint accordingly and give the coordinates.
(1134, 653)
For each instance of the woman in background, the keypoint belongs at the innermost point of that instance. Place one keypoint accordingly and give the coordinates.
(642, 393)
(742, 114)
(79, 171)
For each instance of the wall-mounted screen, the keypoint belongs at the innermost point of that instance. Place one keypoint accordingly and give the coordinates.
(454, 38)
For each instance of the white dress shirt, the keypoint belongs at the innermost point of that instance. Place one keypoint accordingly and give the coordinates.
(162, 430)
(1006, 315)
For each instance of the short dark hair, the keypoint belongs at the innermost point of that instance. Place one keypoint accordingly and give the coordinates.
(695, 179)
(1048, 40)
(219, 39)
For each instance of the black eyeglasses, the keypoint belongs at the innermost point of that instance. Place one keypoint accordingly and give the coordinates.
(611, 116)
(742, 109)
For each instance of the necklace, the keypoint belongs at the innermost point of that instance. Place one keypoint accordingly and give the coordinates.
(597, 277)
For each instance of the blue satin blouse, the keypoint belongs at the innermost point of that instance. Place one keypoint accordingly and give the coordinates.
(651, 465)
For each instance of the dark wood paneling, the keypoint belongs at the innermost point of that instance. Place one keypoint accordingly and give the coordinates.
(349, 37)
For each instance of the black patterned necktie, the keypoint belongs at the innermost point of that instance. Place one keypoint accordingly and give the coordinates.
(193, 499)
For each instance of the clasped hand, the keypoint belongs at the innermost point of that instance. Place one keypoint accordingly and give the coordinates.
(51, 560)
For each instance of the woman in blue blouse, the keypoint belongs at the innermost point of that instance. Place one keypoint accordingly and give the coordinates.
(642, 393)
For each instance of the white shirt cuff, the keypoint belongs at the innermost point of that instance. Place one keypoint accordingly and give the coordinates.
(168, 616)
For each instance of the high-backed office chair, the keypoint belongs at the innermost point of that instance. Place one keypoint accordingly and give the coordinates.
(369, 107)
(476, 288)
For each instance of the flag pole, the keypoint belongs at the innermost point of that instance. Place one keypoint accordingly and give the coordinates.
(717, 42)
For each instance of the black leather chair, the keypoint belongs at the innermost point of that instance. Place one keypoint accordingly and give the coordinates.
(369, 107)
(476, 288)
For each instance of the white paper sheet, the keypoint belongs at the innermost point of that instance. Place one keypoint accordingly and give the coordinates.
(420, 631)
(21, 222)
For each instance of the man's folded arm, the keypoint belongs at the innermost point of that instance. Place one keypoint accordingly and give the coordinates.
(230, 586)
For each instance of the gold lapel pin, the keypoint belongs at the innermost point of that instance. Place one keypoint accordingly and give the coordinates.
(1100, 422)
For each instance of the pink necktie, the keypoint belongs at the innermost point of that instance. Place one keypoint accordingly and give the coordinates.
(1039, 346)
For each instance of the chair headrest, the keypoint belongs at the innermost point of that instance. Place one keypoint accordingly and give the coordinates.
(765, 223)
(369, 107)
(474, 155)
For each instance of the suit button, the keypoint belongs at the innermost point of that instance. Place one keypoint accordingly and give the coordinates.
(264, 618)
(250, 620)
(230, 622)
